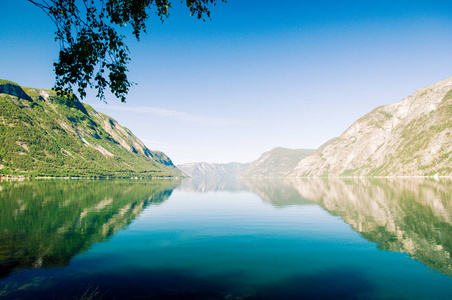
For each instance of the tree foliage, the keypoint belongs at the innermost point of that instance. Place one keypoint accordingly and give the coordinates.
(92, 52)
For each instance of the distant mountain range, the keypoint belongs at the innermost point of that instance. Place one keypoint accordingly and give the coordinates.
(213, 170)
(410, 138)
(42, 134)
(276, 162)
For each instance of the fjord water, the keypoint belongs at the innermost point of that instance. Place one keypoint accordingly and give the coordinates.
(256, 239)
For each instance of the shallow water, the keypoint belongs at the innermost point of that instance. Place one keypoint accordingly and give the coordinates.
(256, 239)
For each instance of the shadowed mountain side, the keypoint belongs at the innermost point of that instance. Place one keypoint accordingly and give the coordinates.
(276, 191)
(46, 223)
(409, 215)
(276, 162)
(215, 184)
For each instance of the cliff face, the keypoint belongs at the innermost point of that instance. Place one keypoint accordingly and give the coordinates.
(46, 135)
(410, 138)
(276, 162)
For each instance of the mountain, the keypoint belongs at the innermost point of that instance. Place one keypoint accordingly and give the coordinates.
(42, 134)
(207, 170)
(410, 138)
(276, 162)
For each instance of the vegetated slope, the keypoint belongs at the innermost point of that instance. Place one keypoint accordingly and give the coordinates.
(42, 134)
(410, 138)
(208, 170)
(276, 162)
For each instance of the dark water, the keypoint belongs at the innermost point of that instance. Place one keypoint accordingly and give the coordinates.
(256, 239)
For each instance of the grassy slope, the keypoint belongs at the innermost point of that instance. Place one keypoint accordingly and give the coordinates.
(54, 137)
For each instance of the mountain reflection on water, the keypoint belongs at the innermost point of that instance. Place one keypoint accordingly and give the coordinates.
(411, 215)
(277, 191)
(46, 223)
(204, 185)
(288, 240)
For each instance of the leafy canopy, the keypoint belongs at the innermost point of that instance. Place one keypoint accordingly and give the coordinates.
(92, 53)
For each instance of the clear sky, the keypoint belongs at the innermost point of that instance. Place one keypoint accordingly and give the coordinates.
(261, 74)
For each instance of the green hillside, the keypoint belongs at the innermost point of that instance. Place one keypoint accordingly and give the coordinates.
(42, 134)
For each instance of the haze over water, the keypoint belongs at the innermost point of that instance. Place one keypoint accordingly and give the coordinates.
(255, 239)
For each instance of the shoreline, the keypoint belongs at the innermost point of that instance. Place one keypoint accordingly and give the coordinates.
(23, 178)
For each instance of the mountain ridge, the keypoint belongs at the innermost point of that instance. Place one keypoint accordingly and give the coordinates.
(409, 138)
(276, 162)
(213, 170)
(46, 135)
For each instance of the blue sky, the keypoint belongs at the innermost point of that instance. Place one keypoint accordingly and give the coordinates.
(261, 74)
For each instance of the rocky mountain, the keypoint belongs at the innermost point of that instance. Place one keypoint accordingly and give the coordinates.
(276, 162)
(42, 134)
(410, 138)
(208, 170)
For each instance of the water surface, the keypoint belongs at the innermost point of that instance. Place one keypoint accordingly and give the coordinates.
(256, 239)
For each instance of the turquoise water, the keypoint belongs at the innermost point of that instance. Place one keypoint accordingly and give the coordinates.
(271, 239)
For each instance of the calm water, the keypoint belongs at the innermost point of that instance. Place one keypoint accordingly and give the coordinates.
(256, 239)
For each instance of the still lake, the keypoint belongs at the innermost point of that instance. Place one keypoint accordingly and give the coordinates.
(250, 239)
